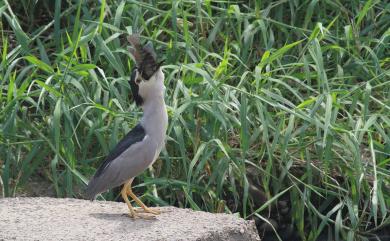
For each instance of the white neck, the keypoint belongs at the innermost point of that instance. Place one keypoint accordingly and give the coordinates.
(155, 119)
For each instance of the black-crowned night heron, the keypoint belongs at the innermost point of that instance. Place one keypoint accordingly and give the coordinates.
(142, 145)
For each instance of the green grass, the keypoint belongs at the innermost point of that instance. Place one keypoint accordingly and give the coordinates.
(272, 105)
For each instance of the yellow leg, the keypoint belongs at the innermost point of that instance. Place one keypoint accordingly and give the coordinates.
(133, 213)
(139, 202)
(124, 196)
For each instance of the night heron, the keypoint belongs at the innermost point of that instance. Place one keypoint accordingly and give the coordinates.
(142, 145)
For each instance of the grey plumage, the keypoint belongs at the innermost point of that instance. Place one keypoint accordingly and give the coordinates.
(129, 164)
(99, 184)
(142, 145)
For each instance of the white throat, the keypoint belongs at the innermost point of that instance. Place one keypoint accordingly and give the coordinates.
(155, 117)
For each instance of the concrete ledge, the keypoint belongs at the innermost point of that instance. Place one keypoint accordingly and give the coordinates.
(74, 219)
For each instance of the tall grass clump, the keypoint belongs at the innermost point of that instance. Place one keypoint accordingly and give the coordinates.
(279, 110)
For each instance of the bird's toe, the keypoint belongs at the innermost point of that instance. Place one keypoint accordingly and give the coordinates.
(141, 216)
(155, 211)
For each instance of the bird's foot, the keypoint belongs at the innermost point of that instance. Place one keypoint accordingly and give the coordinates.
(154, 211)
(141, 216)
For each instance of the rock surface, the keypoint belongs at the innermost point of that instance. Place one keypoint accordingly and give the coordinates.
(74, 219)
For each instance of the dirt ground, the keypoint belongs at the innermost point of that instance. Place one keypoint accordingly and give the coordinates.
(75, 219)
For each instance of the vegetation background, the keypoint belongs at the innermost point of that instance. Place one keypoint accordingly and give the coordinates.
(279, 110)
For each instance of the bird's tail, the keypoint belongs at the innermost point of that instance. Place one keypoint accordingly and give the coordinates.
(91, 190)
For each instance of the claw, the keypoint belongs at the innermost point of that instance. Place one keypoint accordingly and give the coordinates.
(154, 211)
(141, 216)
(136, 212)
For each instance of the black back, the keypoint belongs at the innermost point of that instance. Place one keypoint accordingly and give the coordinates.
(137, 134)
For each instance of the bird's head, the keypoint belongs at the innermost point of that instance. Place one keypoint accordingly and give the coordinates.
(147, 79)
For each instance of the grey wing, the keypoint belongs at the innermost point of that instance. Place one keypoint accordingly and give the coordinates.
(129, 164)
